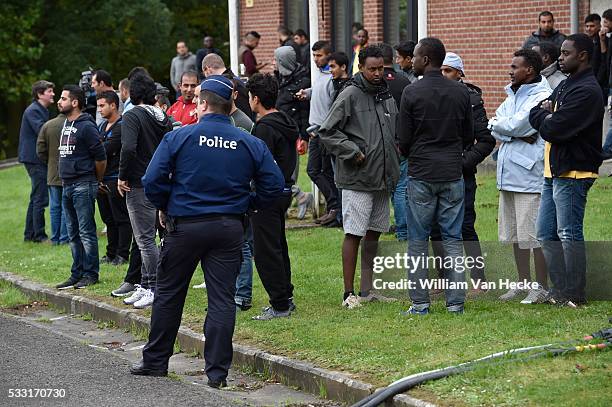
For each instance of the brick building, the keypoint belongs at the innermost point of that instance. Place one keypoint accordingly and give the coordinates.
(484, 32)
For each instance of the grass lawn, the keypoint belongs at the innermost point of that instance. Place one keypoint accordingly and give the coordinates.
(375, 343)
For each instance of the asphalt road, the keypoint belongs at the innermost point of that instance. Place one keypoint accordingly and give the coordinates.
(35, 358)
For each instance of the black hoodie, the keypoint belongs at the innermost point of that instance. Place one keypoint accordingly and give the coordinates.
(79, 148)
(111, 140)
(280, 132)
(475, 152)
(297, 109)
(142, 129)
(435, 123)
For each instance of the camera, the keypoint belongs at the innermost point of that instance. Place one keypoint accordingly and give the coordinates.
(85, 82)
(90, 94)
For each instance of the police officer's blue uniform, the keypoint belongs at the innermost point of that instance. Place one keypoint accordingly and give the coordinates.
(199, 176)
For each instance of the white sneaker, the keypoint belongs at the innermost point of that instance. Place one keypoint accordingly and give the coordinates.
(135, 296)
(203, 285)
(351, 302)
(512, 294)
(535, 296)
(145, 301)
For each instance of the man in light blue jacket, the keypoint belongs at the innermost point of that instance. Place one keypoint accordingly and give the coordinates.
(520, 168)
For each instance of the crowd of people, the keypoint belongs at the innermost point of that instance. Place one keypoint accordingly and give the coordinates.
(214, 173)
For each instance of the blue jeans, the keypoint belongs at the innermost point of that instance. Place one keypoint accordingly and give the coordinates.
(426, 203)
(244, 282)
(79, 201)
(399, 203)
(59, 233)
(39, 199)
(560, 230)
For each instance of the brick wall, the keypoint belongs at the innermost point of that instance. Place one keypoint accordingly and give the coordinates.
(266, 15)
(373, 13)
(485, 33)
(325, 20)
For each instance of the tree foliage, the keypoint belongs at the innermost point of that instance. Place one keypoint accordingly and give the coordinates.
(193, 19)
(114, 35)
(20, 48)
(58, 39)
(20, 52)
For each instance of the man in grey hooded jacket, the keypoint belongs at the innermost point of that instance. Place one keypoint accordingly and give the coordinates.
(293, 77)
(360, 132)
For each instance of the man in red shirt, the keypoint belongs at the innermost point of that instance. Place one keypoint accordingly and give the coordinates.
(184, 109)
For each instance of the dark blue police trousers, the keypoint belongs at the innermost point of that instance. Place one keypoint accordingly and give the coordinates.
(216, 243)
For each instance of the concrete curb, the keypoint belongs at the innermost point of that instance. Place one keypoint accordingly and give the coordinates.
(325, 383)
(11, 162)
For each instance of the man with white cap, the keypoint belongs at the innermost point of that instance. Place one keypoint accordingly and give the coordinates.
(473, 154)
(199, 179)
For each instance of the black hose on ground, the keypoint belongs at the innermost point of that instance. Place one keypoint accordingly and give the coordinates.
(378, 398)
(409, 382)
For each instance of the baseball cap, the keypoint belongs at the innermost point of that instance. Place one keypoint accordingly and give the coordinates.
(454, 61)
(218, 85)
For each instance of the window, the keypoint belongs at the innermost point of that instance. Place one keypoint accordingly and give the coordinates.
(400, 21)
(346, 14)
(296, 15)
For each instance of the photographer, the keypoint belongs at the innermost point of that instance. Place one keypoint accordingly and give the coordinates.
(90, 94)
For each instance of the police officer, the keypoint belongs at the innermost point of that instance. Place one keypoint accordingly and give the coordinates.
(199, 180)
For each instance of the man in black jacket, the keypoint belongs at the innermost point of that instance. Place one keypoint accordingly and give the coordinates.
(302, 48)
(570, 122)
(280, 133)
(397, 81)
(435, 124)
(546, 32)
(473, 154)
(208, 48)
(592, 27)
(142, 129)
(113, 209)
(33, 119)
(293, 77)
(338, 66)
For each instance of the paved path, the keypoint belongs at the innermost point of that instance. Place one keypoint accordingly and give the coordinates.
(42, 349)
